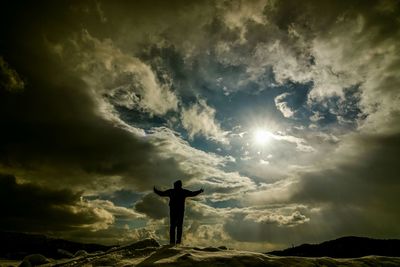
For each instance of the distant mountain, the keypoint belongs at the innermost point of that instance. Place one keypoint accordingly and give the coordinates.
(15, 245)
(345, 247)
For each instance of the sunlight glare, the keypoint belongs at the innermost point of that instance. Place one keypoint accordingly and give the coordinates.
(261, 136)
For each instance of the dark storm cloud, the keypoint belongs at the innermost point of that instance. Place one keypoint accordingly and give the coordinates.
(53, 126)
(320, 15)
(28, 207)
(9, 78)
(153, 206)
(367, 180)
(241, 229)
(306, 227)
(123, 197)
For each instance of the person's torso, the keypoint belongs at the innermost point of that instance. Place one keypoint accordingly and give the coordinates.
(177, 199)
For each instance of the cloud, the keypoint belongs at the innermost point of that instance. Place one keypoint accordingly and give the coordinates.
(359, 180)
(153, 206)
(282, 220)
(358, 50)
(202, 169)
(283, 106)
(66, 138)
(272, 224)
(316, 116)
(55, 129)
(301, 144)
(239, 227)
(374, 64)
(199, 119)
(124, 79)
(29, 207)
(238, 13)
(9, 78)
(120, 213)
(359, 163)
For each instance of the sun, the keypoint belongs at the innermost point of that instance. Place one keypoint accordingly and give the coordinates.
(261, 136)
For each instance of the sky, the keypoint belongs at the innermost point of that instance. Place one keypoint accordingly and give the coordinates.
(286, 112)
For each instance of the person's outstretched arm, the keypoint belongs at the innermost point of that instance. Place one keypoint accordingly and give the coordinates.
(160, 193)
(194, 193)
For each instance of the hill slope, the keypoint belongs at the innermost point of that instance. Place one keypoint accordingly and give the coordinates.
(148, 253)
(15, 245)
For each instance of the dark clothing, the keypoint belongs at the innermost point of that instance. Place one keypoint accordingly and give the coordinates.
(177, 198)
(175, 222)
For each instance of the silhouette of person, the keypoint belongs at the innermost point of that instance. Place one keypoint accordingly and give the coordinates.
(177, 197)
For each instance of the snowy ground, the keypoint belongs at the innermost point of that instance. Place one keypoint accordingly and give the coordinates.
(148, 253)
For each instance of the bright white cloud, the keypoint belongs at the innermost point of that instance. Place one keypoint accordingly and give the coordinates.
(199, 119)
(301, 144)
(373, 65)
(125, 79)
(283, 106)
(316, 116)
(116, 211)
(289, 220)
(238, 13)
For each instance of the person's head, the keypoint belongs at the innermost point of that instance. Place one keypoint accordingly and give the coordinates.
(178, 184)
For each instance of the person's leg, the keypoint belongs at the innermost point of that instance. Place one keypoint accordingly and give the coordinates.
(172, 234)
(172, 226)
(179, 225)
